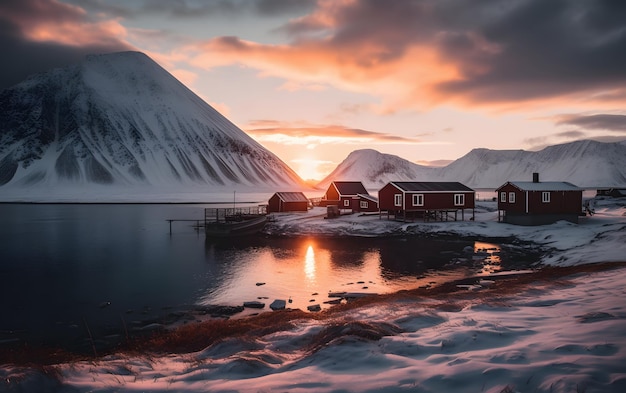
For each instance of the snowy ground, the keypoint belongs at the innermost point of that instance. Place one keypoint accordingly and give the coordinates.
(567, 335)
(597, 238)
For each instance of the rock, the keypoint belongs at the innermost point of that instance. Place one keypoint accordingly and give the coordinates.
(314, 307)
(278, 304)
(254, 304)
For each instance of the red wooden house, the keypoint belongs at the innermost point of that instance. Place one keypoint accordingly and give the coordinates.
(538, 203)
(367, 203)
(349, 195)
(288, 202)
(427, 200)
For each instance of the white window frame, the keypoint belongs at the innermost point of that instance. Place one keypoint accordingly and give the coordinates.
(545, 197)
(418, 199)
(397, 200)
(503, 196)
(364, 205)
(459, 199)
(346, 203)
(511, 197)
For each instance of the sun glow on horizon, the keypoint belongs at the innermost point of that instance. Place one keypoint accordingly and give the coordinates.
(310, 168)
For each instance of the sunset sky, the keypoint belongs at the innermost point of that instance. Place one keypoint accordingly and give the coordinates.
(313, 80)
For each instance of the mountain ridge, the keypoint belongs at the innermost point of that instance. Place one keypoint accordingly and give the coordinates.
(586, 163)
(122, 120)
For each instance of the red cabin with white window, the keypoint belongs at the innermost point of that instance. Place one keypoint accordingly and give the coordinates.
(288, 202)
(428, 200)
(538, 203)
(349, 195)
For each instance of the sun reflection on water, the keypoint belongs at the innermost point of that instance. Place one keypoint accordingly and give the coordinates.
(309, 264)
(491, 254)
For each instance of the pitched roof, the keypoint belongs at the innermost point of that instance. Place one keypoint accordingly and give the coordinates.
(368, 196)
(544, 186)
(292, 197)
(432, 186)
(350, 187)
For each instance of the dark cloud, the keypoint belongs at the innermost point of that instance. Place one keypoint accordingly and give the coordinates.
(23, 56)
(503, 50)
(605, 122)
(196, 8)
(572, 134)
(542, 48)
(282, 7)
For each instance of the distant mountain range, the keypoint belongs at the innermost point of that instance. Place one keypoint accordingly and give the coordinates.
(586, 163)
(120, 120)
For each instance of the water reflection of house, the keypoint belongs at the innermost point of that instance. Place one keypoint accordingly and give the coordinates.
(349, 195)
(288, 202)
(538, 203)
(427, 200)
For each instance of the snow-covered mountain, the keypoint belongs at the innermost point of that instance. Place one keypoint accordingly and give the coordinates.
(585, 163)
(120, 120)
(375, 169)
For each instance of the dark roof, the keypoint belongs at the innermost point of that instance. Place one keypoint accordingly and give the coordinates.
(543, 186)
(350, 187)
(292, 197)
(432, 186)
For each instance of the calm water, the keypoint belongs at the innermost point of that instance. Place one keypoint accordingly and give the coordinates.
(66, 267)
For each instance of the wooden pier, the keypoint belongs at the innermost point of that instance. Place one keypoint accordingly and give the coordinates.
(220, 218)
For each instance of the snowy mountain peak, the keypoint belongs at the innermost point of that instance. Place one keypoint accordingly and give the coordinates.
(586, 163)
(375, 169)
(121, 119)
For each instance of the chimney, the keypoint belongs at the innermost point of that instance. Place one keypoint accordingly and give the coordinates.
(535, 177)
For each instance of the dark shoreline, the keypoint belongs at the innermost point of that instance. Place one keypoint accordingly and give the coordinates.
(127, 203)
(194, 335)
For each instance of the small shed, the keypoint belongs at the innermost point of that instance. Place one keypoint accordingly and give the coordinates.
(344, 194)
(539, 203)
(367, 203)
(288, 202)
(427, 200)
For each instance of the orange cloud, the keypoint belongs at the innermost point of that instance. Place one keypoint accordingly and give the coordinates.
(416, 54)
(64, 24)
(314, 135)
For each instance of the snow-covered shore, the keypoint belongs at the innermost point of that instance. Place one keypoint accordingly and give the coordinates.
(561, 336)
(597, 238)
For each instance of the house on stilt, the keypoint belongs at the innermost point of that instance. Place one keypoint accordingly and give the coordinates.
(442, 201)
(539, 203)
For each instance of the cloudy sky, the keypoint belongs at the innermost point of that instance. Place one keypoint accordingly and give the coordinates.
(313, 80)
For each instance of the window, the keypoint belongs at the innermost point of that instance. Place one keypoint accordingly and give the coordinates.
(346, 203)
(511, 197)
(545, 197)
(459, 199)
(503, 197)
(364, 204)
(397, 200)
(418, 200)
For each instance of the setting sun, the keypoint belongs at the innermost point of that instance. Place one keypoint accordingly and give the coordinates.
(309, 168)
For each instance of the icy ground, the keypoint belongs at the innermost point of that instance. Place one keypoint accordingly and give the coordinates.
(561, 335)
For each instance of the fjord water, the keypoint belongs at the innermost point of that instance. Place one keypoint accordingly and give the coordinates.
(69, 268)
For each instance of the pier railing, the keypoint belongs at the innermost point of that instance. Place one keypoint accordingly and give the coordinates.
(233, 214)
